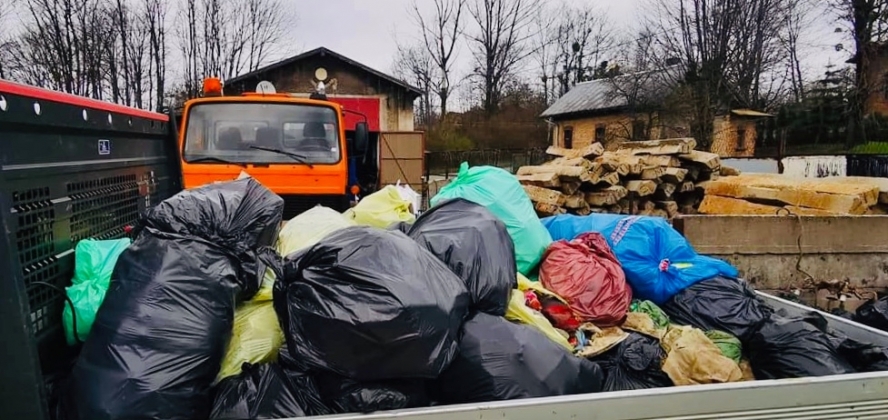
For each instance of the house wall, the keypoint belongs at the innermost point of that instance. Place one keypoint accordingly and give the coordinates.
(396, 109)
(619, 128)
(725, 140)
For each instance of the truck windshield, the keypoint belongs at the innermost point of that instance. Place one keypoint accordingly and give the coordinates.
(261, 133)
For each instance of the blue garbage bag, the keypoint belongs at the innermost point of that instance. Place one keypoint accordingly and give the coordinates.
(657, 260)
(499, 191)
(566, 227)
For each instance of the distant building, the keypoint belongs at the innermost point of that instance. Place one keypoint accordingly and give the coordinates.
(386, 101)
(641, 106)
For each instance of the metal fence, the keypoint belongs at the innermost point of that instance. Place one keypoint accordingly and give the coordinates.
(867, 165)
(445, 165)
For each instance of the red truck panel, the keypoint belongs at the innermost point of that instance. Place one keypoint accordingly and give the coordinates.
(366, 106)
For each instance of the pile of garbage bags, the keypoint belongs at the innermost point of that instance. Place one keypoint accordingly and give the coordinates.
(218, 309)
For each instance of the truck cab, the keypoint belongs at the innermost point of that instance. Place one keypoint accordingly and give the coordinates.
(297, 147)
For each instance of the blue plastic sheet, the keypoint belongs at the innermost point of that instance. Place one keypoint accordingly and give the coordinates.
(657, 260)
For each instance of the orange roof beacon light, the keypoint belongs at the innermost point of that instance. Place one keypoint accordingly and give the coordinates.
(212, 86)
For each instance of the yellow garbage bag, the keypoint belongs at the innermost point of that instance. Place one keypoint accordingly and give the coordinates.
(256, 336)
(525, 284)
(520, 313)
(692, 358)
(309, 228)
(382, 209)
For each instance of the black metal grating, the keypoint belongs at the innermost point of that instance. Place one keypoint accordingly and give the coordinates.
(35, 219)
(102, 208)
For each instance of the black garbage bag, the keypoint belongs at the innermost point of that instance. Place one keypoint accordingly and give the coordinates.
(403, 227)
(344, 395)
(159, 336)
(476, 245)
(863, 357)
(262, 392)
(370, 305)
(723, 304)
(795, 347)
(873, 314)
(499, 360)
(313, 403)
(635, 363)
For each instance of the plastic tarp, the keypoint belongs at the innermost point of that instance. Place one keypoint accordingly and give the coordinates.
(499, 191)
(657, 260)
(586, 273)
(159, 337)
(477, 248)
(261, 392)
(381, 209)
(793, 347)
(499, 361)
(344, 395)
(361, 295)
(634, 363)
(693, 359)
(93, 264)
(873, 313)
(721, 303)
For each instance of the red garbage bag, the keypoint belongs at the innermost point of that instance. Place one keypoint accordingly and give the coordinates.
(588, 276)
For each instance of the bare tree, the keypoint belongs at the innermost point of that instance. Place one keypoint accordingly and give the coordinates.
(225, 38)
(440, 34)
(582, 35)
(154, 20)
(799, 17)
(867, 21)
(416, 65)
(730, 49)
(499, 43)
(544, 49)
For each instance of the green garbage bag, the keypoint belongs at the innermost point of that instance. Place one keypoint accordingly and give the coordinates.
(661, 320)
(499, 191)
(728, 344)
(93, 264)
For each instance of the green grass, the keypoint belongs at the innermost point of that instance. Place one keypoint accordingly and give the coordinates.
(871, 148)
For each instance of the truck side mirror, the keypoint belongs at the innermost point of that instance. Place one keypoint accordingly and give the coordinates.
(362, 137)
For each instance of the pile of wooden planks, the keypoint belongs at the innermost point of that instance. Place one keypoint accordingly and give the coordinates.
(654, 178)
(766, 194)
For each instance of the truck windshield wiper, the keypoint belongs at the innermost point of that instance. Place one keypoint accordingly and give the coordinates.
(215, 159)
(297, 157)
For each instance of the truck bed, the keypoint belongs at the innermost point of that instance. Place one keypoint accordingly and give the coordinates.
(857, 396)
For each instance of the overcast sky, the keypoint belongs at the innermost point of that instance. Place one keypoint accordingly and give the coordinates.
(366, 30)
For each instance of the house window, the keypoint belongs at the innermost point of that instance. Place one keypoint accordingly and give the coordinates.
(568, 137)
(638, 130)
(741, 139)
(600, 132)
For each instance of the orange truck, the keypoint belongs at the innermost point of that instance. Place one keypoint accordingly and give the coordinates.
(298, 147)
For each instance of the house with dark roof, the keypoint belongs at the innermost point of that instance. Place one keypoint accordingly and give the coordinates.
(385, 100)
(641, 106)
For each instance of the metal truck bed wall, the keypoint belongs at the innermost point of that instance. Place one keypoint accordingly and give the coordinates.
(72, 168)
(857, 396)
